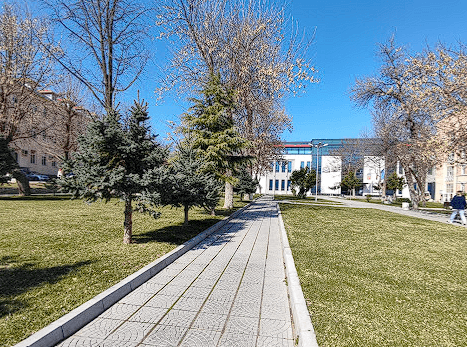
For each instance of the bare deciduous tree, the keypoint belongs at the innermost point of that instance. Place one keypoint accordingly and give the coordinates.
(26, 68)
(106, 49)
(409, 122)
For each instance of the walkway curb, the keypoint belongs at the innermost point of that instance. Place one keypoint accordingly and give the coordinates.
(83, 314)
(303, 327)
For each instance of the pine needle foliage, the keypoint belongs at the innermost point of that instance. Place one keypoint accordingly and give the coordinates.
(210, 123)
(114, 159)
(185, 185)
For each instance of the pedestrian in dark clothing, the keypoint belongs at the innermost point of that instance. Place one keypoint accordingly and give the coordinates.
(458, 206)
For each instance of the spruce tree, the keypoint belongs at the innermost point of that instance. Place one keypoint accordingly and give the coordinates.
(246, 184)
(184, 184)
(114, 159)
(211, 125)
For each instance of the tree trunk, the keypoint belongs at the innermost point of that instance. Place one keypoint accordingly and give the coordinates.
(128, 223)
(186, 208)
(23, 183)
(228, 202)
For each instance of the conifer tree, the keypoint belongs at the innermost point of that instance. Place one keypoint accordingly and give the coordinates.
(304, 179)
(246, 184)
(114, 159)
(184, 184)
(7, 161)
(211, 125)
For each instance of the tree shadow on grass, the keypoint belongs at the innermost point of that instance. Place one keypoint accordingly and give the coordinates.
(175, 234)
(17, 278)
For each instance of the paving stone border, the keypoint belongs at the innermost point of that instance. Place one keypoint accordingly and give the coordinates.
(303, 327)
(80, 316)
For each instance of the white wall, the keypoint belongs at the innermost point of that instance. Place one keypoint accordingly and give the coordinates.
(330, 176)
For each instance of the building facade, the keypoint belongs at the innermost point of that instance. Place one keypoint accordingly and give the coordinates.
(322, 156)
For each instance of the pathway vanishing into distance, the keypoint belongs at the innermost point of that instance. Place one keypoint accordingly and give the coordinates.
(359, 203)
(229, 290)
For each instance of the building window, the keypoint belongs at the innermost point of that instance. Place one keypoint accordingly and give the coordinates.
(401, 170)
(16, 156)
(289, 182)
(283, 185)
(33, 158)
(302, 164)
(44, 160)
(464, 169)
(277, 184)
(54, 163)
(277, 166)
(449, 188)
(270, 184)
(308, 164)
(450, 174)
(284, 166)
(24, 152)
(289, 166)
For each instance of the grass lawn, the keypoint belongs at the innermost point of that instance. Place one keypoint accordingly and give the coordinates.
(375, 278)
(307, 199)
(56, 254)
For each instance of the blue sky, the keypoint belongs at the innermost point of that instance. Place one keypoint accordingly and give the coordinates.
(347, 33)
(345, 46)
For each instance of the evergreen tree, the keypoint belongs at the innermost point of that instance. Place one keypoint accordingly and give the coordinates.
(395, 182)
(211, 126)
(350, 181)
(185, 185)
(114, 159)
(7, 161)
(304, 179)
(246, 184)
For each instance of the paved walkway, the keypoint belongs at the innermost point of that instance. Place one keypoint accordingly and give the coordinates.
(229, 290)
(424, 214)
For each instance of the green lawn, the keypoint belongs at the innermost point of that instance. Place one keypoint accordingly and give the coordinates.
(56, 254)
(374, 278)
(307, 199)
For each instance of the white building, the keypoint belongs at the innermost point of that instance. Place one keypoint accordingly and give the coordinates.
(303, 154)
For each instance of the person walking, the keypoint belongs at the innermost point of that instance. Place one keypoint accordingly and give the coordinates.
(458, 206)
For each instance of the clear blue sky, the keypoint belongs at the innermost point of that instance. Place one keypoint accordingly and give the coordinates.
(347, 33)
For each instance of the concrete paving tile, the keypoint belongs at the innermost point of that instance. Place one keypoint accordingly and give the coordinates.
(110, 343)
(165, 336)
(209, 321)
(99, 328)
(197, 293)
(188, 304)
(130, 332)
(172, 290)
(151, 287)
(246, 309)
(223, 294)
(237, 340)
(148, 314)
(217, 306)
(242, 325)
(181, 318)
(136, 297)
(275, 311)
(77, 341)
(120, 311)
(162, 301)
(276, 328)
(204, 282)
(268, 341)
(201, 338)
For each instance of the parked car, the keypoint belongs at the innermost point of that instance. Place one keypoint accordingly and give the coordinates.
(34, 176)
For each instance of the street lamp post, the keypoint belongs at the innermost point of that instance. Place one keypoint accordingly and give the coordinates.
(318, 146)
